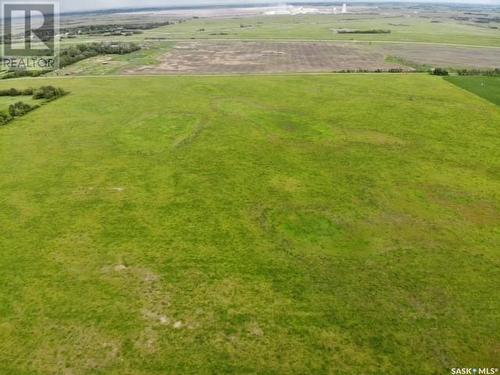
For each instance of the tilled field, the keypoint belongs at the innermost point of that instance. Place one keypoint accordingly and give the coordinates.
(266, 57)
(445, 56)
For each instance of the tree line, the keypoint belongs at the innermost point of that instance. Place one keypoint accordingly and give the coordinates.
(80, 52)
(77, 53)
(18, 109)
(113, 29)
(467, 72)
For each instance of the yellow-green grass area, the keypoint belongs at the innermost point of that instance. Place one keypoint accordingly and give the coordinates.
(484, 86)
(275, 225)
(321, 27)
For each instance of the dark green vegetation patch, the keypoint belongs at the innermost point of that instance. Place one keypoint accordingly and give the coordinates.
(484, 86)
(370, 31)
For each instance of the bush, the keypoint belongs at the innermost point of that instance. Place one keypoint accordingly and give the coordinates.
(439, 72)
(4, 118)
(20, 109)
(16, 92)
(10, 92)
(23, 73)
(48, 93)
(44, 92)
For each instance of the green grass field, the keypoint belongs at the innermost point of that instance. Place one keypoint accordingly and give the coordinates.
(486, 87)
(272, 225)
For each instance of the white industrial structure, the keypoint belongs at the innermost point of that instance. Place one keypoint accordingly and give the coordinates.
(297, 10)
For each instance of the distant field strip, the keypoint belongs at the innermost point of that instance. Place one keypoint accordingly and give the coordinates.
(444, 56)
(312, 27)
(265, 57)
(238, 56)
(318, 27)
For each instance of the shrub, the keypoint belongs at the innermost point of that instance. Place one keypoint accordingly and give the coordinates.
(48, 93)
(20, 109)
(10, 92)
(439, 72)
(23, 73)
(396, 70)
(16, 92)
(4, 118)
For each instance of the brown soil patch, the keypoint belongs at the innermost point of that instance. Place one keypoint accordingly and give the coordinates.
(229, 57)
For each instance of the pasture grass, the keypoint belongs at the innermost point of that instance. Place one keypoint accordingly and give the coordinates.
(273, 225)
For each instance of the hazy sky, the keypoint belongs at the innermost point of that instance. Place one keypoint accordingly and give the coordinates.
(70, 5)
